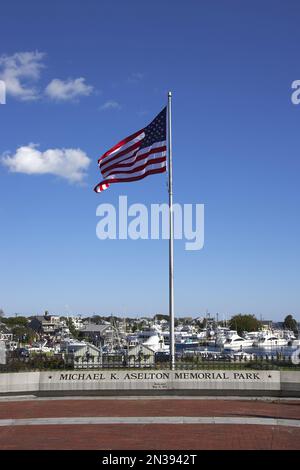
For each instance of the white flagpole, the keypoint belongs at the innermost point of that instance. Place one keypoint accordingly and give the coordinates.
(171, 251)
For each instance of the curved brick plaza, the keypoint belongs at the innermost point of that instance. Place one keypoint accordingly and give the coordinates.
(149, 423)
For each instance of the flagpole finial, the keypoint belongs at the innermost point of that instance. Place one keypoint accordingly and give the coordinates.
(169, 93)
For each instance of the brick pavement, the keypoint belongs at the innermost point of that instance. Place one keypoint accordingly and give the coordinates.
(148, 407)
(149, 436)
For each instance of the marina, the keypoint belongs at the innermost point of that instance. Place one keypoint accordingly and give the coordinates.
(94, 343)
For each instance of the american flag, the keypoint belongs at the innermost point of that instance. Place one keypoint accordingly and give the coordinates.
(139, 155)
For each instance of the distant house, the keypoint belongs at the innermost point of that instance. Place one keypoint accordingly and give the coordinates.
(5, 333)
(96, 334)
(77, 322)
(7, 337)
(45, 324)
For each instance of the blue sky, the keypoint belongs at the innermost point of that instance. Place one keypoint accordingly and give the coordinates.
(230, 66)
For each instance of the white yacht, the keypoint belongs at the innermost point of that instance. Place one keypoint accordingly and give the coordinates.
(154, 339)
(237, 343)
(253, 335)
(289, 335)
(70, 345)
(270, 341)
(40, 348)
(202, 334)
(223, 336)
(146, 335)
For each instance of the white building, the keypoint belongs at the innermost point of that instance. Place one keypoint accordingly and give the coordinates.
(77, 322)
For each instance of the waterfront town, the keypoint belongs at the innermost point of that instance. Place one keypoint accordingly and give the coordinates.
(53, 341)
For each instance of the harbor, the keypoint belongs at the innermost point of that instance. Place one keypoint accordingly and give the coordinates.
(108, 342)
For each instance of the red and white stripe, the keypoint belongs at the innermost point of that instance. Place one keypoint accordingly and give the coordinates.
(127, 161)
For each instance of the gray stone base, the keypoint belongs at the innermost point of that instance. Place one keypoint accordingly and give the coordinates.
(152, 383)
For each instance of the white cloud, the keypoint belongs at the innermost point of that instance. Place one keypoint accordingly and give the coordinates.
(70, 164)
(20, 71)
(135, 77)
(68, 90)
(110, 104)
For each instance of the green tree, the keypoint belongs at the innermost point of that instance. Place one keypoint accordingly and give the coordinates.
(15, 321)
(244, 323)
(73, 331)
(160, 316)
(23, 334)
(96, 319)
(141, 325)
(290, 323)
